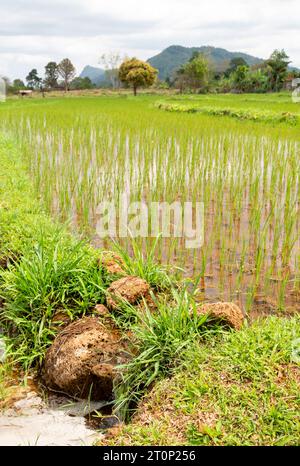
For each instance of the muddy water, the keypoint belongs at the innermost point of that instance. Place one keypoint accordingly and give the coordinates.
(59, 421)
(230, 272)
(33, 421)
(50, 428)
(241, 179)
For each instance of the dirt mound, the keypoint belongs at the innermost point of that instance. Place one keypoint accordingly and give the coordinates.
(82, 359)
(130, 289)
(112, 262)
(228, 313)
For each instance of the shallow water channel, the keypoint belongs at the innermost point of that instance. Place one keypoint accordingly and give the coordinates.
(58, 421)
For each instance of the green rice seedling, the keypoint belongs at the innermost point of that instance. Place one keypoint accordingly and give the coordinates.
(284, 279)
(241, 266)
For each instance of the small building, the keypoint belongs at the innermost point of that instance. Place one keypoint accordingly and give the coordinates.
(25, 92)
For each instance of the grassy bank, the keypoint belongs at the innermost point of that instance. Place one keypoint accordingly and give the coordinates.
(239, 114)
(240, 388)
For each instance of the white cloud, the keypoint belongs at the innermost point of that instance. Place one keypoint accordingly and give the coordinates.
(35, 32)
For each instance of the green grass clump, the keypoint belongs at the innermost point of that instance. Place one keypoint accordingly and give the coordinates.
(5, 381)
(143, 264)
(236, 388)
(160, 336)
(52, 275)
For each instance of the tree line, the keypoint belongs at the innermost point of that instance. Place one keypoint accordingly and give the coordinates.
(131, 72)
(197, 75)
(271, 75)
(58, 76)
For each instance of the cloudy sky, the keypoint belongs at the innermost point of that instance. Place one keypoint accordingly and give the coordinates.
(33, 32)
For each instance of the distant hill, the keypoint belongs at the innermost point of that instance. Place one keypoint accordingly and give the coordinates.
(170, 59)
(96, 75)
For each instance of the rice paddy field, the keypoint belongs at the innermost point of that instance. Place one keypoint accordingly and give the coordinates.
(238, 154)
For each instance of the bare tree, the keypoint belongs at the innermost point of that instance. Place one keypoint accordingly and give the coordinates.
(111, 62)
(67, 72)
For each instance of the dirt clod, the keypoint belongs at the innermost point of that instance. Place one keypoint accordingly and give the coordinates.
(112, 262)
(128, 289)
(228, 313)
(82, 359)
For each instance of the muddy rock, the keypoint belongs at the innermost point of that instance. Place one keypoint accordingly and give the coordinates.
(227, 313)
(128, 289)
(112, 262)
(82, 359)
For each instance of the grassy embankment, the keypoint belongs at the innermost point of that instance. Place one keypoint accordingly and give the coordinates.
(236, 389)
(213, 388)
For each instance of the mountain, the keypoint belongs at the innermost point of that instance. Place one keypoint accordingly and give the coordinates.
(170, 59)
(96, 75)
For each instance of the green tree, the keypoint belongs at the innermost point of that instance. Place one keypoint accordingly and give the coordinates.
(137, 73)
(194, 74)
(33, 80)
(277, 69)
(66, 71)
(234, 64)
(81, 83)
(180, 79)
(240, 78)
(18, 84)
(257, 81)
(51, 75)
